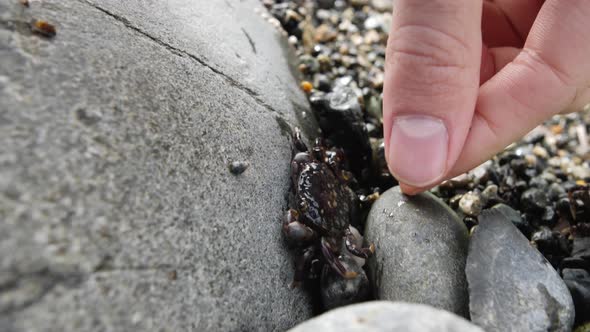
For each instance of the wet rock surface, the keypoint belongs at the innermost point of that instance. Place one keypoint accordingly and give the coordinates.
(337, 291)
(512, 287)
(384, 316)
(118, 209)
(421, 251)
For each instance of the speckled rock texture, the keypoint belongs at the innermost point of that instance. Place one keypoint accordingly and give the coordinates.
(421, 251)
(118, 211)
(385, 316)
(512, 287)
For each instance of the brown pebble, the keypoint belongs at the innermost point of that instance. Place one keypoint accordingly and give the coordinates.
(306, 86)
(172, 275)
(43, 28)
(25, 3)
(556, 129)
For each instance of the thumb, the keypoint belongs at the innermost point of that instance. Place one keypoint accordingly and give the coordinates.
(431, 85)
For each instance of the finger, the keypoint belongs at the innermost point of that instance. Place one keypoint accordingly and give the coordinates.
(550, 74)
(494, 59)
(508, 22)
(432, 79)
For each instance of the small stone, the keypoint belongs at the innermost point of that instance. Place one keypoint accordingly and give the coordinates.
(377, 316)
(531, 160)
(337, 291)
(540, 152)
(293, 40)
(490, 194)
(421, 246)
(359, 3)
(238, 167)
(43, 28)
(534, 200)
(512, 287)
(580, 172)
(372, 37)
(374, 107)
(578, 282)
(341, 119)
(471, 204)
(325, 4)
(324, 33)
(458, 182)
(539, 183)
(382, 5)
(548, 176)
(306, 86)
(454, 201)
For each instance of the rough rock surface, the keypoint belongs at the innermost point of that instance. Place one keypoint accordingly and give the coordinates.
(512, 287)
(421, 251)
(388, 316)
(118, 210)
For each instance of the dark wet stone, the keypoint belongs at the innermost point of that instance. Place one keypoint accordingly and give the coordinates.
(549, 216)
(238, 167)
(534, 200)
(512, 287)
(421, 247)
(322, 83)
(386, 316)
(341, 119)
(325, 4)
(539, 183)
(578, 283)
(555, 192)
(337, 291)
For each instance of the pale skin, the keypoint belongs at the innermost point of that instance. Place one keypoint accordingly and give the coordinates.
(465, 78)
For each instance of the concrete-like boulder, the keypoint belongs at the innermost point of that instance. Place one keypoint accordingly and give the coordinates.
(118, 209)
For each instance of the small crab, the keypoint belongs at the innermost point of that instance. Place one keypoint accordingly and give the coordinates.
(321, 221)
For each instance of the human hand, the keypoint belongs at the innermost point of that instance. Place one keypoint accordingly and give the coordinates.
(450, 102)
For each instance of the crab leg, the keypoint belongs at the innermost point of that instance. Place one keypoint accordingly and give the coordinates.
(296, 231)
(334, 261)
(360, 252)
(302, 266)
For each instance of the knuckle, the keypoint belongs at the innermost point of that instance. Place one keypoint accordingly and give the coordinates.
(426, 46)
(424, 55)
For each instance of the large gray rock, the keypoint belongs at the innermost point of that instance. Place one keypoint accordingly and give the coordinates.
(117, 208)
(512, 287)
(421, 248)
(382, 316)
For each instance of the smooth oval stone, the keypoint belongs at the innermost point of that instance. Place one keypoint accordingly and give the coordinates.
(512, 287)
(421, 251)
(388, 316)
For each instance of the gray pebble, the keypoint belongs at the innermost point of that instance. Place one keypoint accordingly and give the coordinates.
(421, 251)
(511, 285)
(381, 316)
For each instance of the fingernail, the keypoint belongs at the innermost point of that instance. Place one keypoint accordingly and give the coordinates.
(418, 149)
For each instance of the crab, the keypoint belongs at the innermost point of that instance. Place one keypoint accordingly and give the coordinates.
(324, 210)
